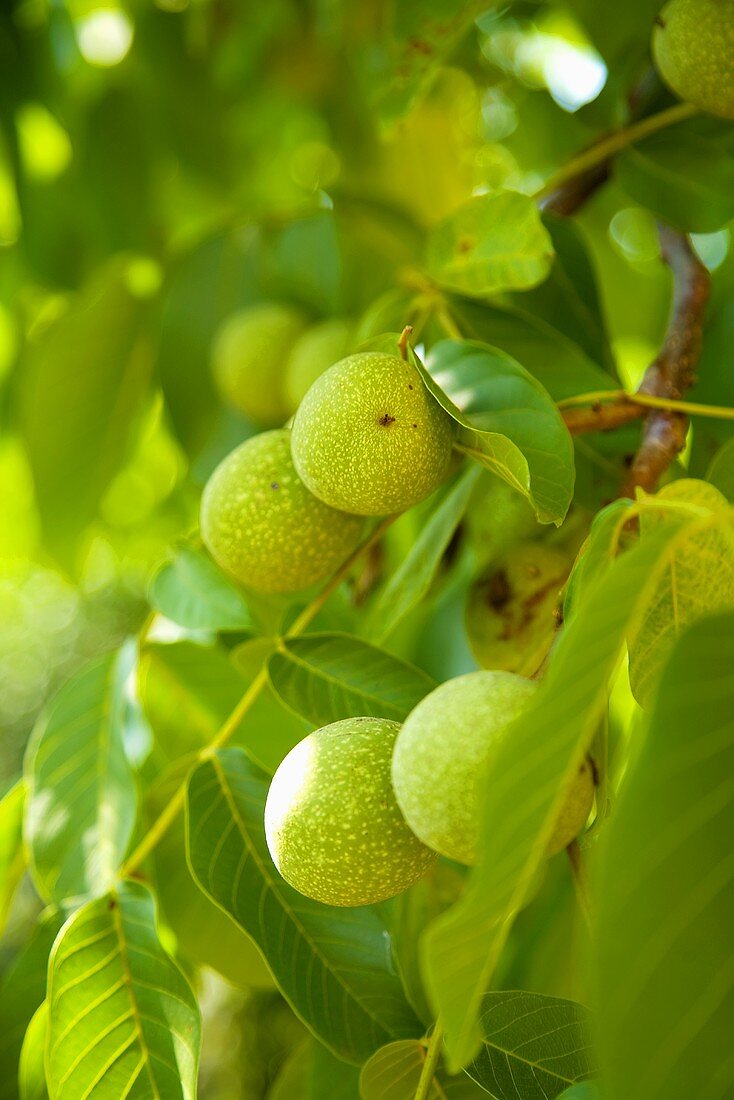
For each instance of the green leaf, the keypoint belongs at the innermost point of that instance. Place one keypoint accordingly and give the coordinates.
(494, 242)
(698, 580)
(22, 989)
(327, 677)
(193, 592)
(83, 380)
(82, 797)
(666, 888)
(32, 1068)
(587, 1090)
(559, 364)
(540, 754)
(205, 934)
(721, 470)
(420, 33)
(122, 1018)
(12, 852)
(601, 547)
(332, 965)
(569, 299)
(394, 1071)
(507, 420)
(313, 1072)
(685, 178)
(533, 1046)
(413, 577)
(188, 690)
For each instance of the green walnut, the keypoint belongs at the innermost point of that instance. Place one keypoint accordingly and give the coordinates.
(333, 827)
(315, 351)
(693, 47)
(510, 608)
(369, 437)
(263, 527)
(249, 358)
(575, 811)
(443, 751)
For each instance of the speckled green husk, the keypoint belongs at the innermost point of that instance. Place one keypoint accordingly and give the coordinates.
(249, 358)
(332, 824)
(693, 47)
(509, 611)
(317, 349)
(263, 527)
(442, 752)
(576, 810)
(369, 438)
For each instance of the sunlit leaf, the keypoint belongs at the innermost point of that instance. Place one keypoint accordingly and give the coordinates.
(122, 1019)
(327, 677)
(82, 797)
(698, 580)
(507, 421)
(193, 592)
(12, 852)
(32, 1069)
(533, 1046)
(495, 242)
(666, 887)
(344, 985)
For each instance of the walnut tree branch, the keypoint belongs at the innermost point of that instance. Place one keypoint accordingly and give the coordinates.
(673, 372)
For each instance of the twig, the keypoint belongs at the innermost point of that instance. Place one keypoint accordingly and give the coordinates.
(579, 172)
(164, 821)
(433, 1054)
(672, 373)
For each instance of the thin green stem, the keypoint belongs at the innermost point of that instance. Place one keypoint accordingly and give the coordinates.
(606, 397)
(617, 141)
(430, 1065)
(164, 821)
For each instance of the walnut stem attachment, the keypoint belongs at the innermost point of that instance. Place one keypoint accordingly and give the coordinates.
(404, 342)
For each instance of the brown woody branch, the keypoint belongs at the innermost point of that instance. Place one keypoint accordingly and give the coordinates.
(571, 195)
(673, 372)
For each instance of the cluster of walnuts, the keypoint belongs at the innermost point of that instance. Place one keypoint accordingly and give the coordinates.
(359, 809)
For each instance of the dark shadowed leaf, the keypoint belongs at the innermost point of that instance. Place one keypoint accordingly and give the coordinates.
(343, 983)
(685, 178)
(532, 1046)
(313, 1072)
(22, 989)
(327, 677)
(666, 888)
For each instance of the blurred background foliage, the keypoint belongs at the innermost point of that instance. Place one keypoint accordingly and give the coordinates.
(164, 163)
